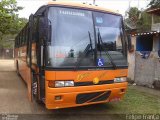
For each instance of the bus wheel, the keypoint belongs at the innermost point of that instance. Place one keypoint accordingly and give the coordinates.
(35, 88)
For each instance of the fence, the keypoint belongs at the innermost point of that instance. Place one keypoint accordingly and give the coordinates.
(6, 53)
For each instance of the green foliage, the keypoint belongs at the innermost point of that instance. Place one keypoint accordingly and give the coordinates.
(136, 101)
(144, 22)
(132, 18)
(10, 22)
(8, 9)
(17, 24)
(7, 41)
(139, 19)
(133, 12)
(154, 4)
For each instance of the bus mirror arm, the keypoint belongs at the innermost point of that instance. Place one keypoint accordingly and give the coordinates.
(43, 42)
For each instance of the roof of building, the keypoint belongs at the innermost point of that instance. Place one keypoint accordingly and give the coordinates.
(78, 5)
(146, 33)
(155, 11)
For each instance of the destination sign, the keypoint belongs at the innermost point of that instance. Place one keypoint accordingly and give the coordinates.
(69, 12)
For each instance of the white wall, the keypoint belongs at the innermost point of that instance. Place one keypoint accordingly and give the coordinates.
(131, 60)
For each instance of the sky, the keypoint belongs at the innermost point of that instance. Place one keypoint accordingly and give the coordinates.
(31, 6)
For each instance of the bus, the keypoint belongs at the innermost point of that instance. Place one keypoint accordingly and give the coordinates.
(72, 54)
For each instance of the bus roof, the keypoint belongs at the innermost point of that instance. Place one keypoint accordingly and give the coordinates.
(81, 5)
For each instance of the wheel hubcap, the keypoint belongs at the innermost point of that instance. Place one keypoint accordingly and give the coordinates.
(35, 88)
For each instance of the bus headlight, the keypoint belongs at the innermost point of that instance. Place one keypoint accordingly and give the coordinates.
(58, 84)
(68, 83)
(119, 80)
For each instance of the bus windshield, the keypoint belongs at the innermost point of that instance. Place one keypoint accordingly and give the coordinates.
(75, 38)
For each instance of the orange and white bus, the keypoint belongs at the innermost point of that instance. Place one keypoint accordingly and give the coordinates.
(72, 54)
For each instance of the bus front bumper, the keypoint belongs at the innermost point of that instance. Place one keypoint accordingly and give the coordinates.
(57, 98)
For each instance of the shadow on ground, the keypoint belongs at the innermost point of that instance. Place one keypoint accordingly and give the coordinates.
(14, 100)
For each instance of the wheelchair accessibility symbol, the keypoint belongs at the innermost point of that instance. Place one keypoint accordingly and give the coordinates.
(100, 62)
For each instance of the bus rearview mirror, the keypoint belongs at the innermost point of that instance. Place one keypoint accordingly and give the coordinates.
(31, 18)
(45, 29)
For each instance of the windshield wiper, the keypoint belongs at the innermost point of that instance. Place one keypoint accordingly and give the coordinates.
(89, 34)
(85, 51)
(100, 41)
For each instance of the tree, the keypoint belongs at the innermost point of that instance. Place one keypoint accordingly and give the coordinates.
(132, 17)
(10, 22)
(8, 9)
(133, 13)
(17, 24)
(15, 27)
(138, 20)
(144, 22)
(154, 4)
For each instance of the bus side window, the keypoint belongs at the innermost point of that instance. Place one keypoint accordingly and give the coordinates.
(15, 45)
(26, 35)
(23, 37)
(28, 45)
(35, 26)
(20, 39)
(35, 41)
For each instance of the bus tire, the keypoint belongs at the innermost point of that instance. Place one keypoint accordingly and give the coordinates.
(35, 88)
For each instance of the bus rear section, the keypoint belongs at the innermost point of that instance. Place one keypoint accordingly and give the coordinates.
(75, 55)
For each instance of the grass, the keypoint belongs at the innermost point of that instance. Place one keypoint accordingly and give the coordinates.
(136, 102)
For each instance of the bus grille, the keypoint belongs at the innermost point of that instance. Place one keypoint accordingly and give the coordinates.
(92, 97)
(91, 83)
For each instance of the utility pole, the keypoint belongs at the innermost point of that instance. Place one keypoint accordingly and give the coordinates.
(130, 3)
(138, 4)
(94, 1)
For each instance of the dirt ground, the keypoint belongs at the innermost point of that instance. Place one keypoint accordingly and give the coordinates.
(7, 65)
(13, 100)
(13, 94)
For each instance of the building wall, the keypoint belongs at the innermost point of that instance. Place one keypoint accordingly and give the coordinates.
(145, 71)
(156, 47)
(157, 69)
(131, 61)
(156, 42)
